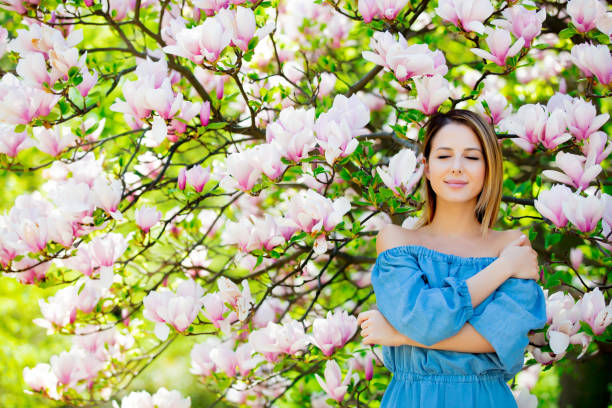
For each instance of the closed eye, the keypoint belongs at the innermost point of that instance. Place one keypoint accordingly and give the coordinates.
(444, 157)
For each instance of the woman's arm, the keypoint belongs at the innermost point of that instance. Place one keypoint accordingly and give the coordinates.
(377, 330)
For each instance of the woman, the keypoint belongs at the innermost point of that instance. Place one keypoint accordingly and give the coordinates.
(455, 298)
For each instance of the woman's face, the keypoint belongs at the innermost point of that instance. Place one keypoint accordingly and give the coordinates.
(455, 167)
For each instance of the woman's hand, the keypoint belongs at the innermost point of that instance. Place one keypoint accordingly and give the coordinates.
(523, 260)
(375, 329)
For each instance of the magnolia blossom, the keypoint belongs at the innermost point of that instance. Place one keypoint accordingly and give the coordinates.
(583, 119)
(578, 171)
(243, 170)
(333, 384)
(523, 23)
(177, 309)
(216, 311)
(274, 339)
(107, 195)
(497, 104)
(431, 93)
(555, 130)
(241, 25)
(402, 173)
(563, 315)
(11, 142)
(203, 42)
(311, 212)
(42, 379)
(583, 212)
(161, 399)
(53, 141)
(500, 46)
(576, 257)
(387, 9)
(406, 61)
(197, 177)
(293, 133)
(550, 204)
(585, 13)
(201, 362)
(593, 60)
(466, 14)
(20, 103)
(597, 146)
(333, 332)
(146, 217)
(527, 123)
(593, 310)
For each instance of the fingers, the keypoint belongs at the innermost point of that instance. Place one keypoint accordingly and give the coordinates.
(363, 316)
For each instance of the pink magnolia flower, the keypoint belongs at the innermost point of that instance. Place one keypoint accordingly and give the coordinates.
(578, 171)
(19, 103)
(339, 141)
(597, 146)
(387, 9)
(500, 44)
(11, 142)
(106, 249)
(583, 119)
(267, 158)
(466, 14)
(34, 233)
(549, 204)
(528, 124)
(333, 332)
(243, 169)
(41, 378)
(563, 315)
(201, 362)
(333, 384)
(431, 93)
(583, 212)
(210, 7)
(58, 310)
(137, 399)
(498, 107)
(593, 60)
(205, 113)
(89, 81)
(274, 339)
(406, 61)
(401, 174)
(135, 103)
(225, 359)
(53, 141)
(197, 177)
(18, 6)
(523, 23)
(584, 13)
(555, 130)
(595, 312)
(170, 399)
(107, 195)
(68, 368)
(215, 309)
(311, 212)
(293, 133)
(163, 100)
(576, 257)
(203, 42)
(365, 363)
(240, 23)
(33, 69)
(146, 217)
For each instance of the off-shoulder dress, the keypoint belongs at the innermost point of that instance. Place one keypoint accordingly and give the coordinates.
(424, 295)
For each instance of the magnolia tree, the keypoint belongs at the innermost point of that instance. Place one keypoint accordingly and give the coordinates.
(219, 169)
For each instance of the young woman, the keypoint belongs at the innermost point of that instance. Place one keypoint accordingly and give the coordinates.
(455, 298)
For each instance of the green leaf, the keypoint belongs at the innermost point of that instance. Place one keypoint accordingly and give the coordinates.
(216, 125)
(20, 128)
(567, 33)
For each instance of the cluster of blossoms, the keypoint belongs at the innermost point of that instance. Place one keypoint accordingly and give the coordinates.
(161, 399)
(564, 315)
(562, 119)
(92, 351)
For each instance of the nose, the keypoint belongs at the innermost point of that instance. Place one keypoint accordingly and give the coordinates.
(457, 164)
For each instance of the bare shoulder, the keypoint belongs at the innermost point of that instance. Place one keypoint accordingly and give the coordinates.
(507, 236)
(391, 236)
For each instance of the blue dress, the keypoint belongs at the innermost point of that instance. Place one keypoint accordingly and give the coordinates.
(424, 295)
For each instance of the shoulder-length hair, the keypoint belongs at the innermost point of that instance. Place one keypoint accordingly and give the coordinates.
(487, 206)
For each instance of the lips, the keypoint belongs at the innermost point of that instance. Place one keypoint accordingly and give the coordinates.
(456, 183)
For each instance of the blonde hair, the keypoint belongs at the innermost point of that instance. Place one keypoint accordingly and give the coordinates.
(487, 206)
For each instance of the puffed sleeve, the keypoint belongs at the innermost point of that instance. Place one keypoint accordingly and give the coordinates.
(423, 313)
(516, 307)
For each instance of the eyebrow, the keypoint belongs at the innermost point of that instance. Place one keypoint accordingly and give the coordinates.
(468, 148)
